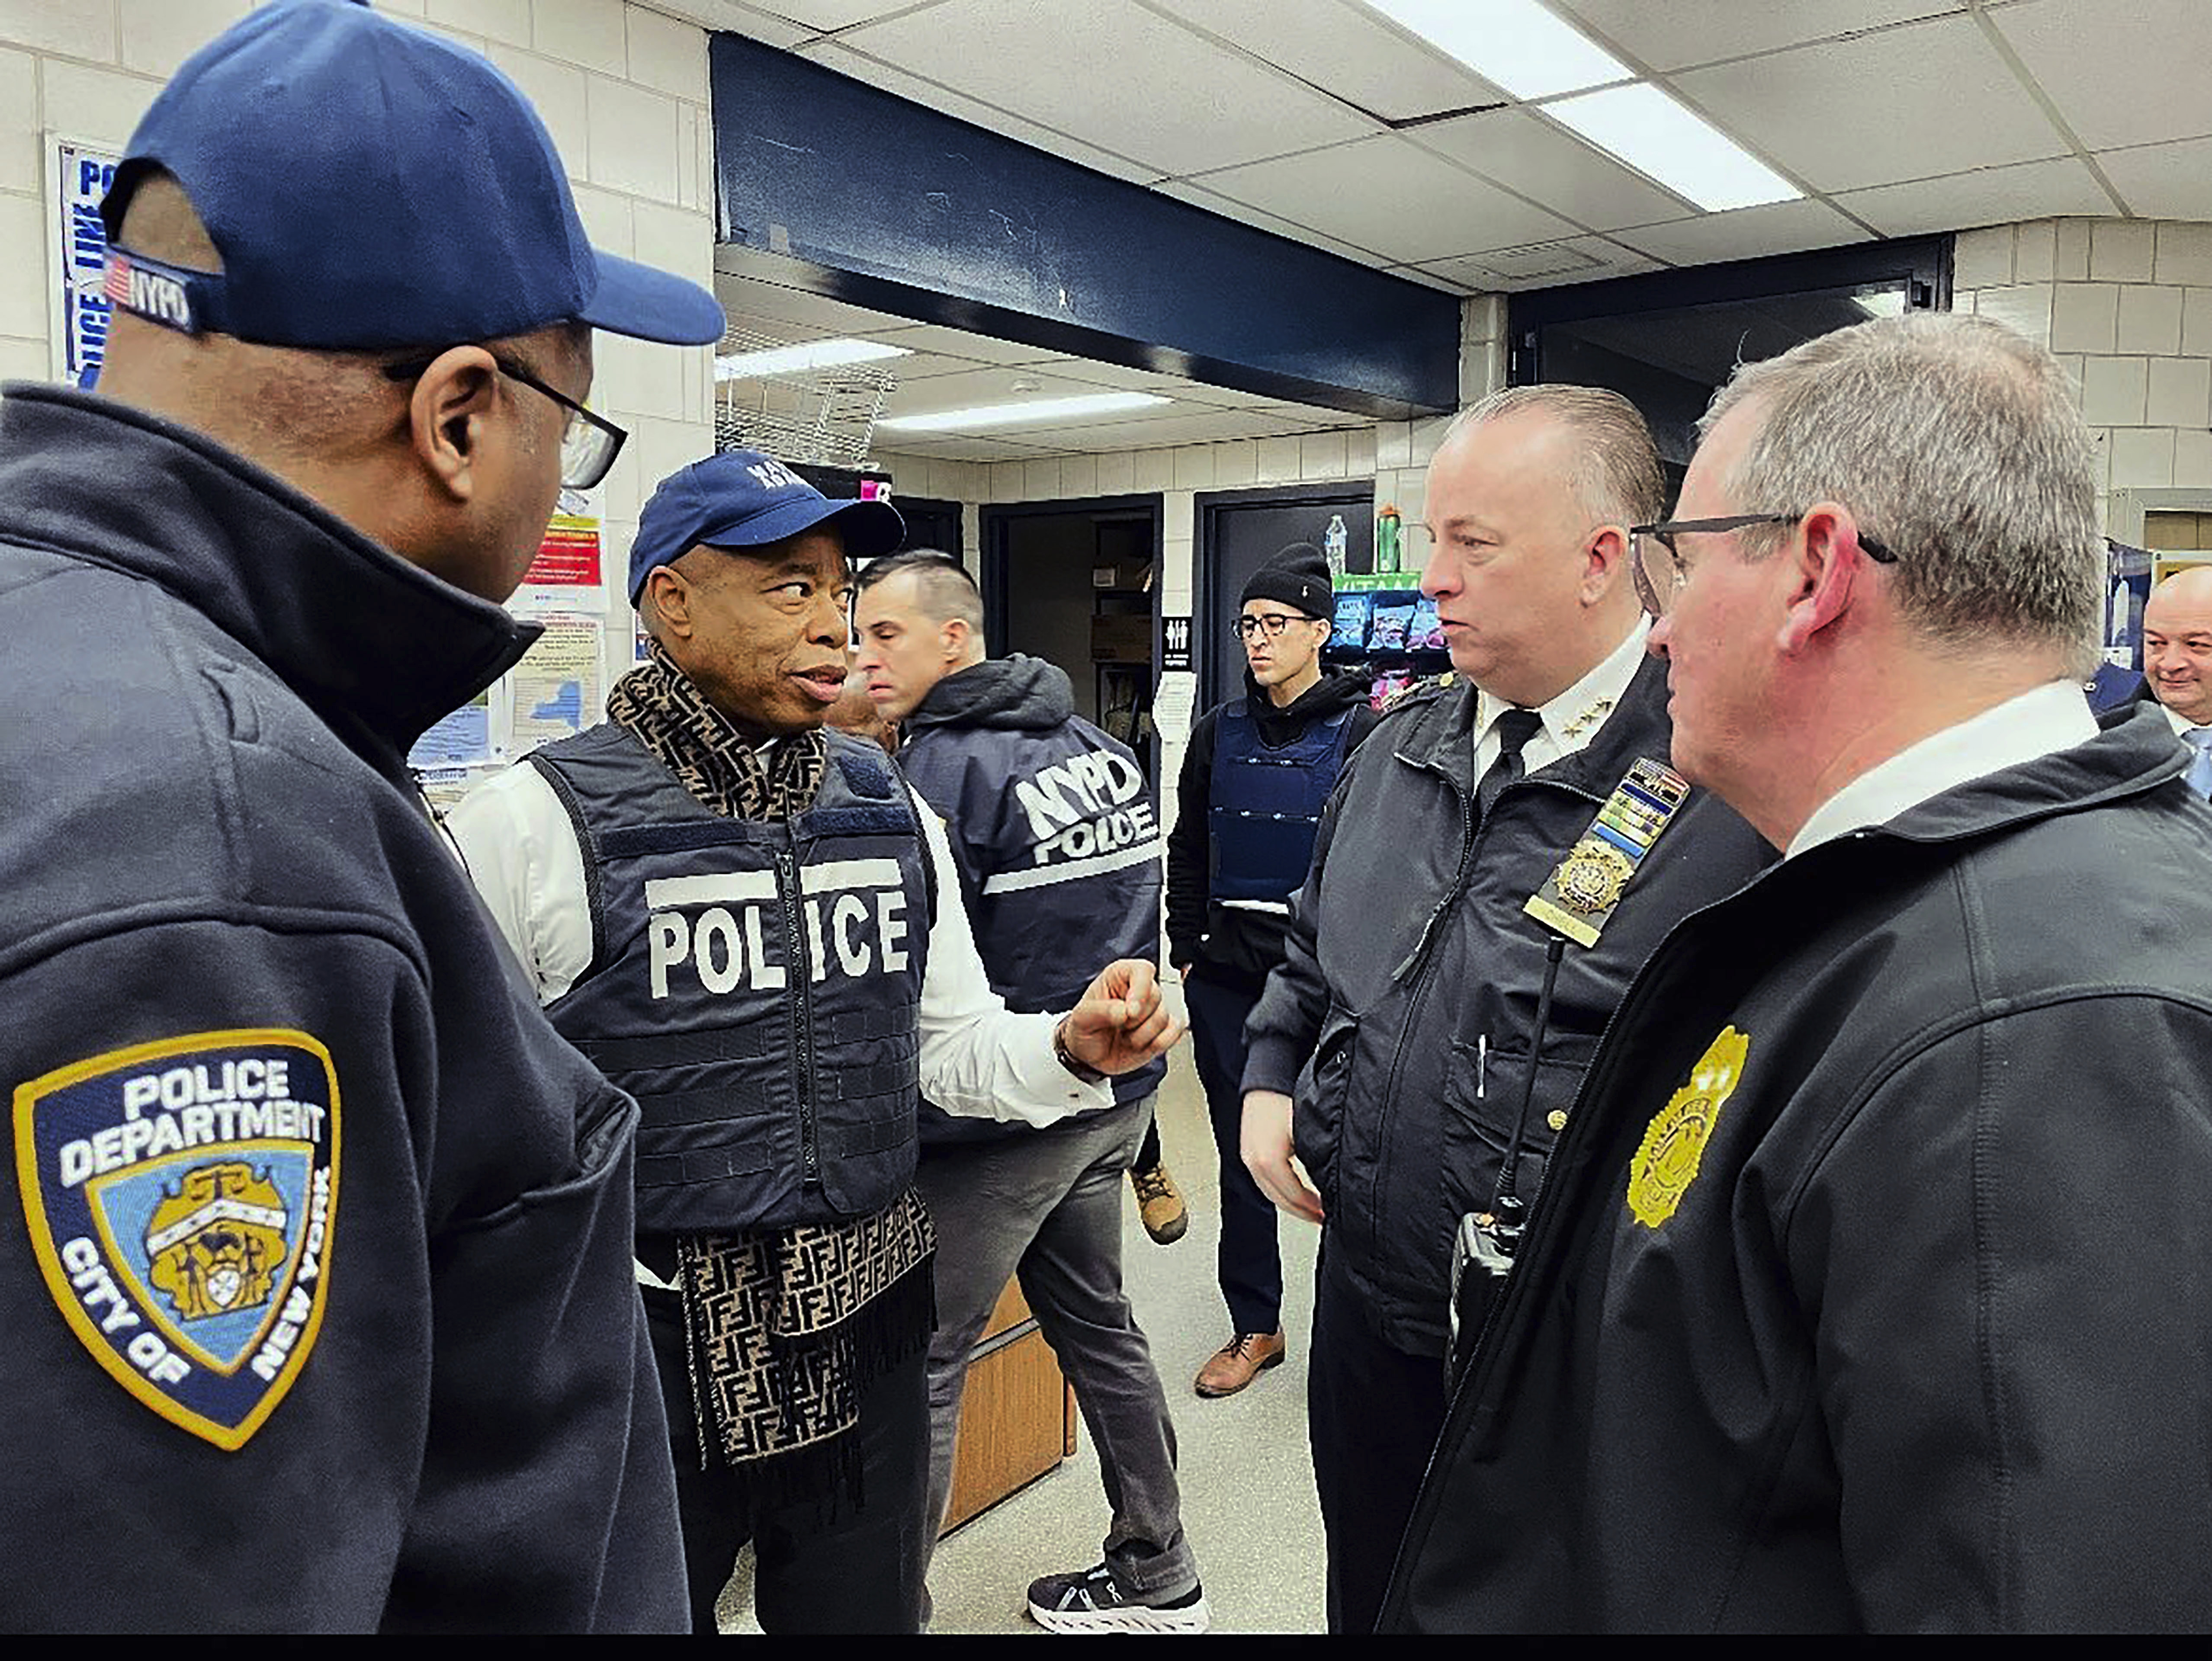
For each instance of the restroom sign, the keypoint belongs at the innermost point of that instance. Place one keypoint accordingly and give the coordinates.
(1175, 643)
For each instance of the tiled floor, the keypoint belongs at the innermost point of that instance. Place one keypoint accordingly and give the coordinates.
(1247, 1483)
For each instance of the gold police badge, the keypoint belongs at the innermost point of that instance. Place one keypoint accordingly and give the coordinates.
(1665, 1163)
(1593, 877)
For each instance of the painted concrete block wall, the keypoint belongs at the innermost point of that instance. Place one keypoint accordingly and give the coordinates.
(621, 86)
(2126, 304)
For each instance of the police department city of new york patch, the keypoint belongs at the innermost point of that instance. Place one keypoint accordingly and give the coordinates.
(182, 1196)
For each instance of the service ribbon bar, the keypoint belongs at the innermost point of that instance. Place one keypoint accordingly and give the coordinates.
(1581, 896)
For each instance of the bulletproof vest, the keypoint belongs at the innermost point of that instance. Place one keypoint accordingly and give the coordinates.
(753, 982)
(1264, 805)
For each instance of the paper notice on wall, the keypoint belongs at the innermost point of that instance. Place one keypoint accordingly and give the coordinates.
(567, 573)
(462, 739)
(556, 690)
(1173, 705)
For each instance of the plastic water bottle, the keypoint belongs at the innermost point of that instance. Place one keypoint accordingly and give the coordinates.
(1334, 545)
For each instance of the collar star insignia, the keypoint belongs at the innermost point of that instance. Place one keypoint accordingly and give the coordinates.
(1583, 723)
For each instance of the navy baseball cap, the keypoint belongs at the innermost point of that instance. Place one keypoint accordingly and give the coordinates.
(741, 499)
(370, 185)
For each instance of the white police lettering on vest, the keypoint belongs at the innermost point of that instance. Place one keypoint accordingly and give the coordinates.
(727, 930)
(1089, 814)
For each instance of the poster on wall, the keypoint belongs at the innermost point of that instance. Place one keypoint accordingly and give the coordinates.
(2127, 586)
(77, 177)
(557, 689)
(566, 575)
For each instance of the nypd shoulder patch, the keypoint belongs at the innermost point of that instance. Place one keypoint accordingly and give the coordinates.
(182, 1197)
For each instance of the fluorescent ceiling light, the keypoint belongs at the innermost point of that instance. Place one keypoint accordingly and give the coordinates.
(817, 354)
(999, 415)
(1658, 137)
(1515, 43)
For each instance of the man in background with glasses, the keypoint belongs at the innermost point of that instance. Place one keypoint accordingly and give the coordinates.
(319, 1272)
(1257, 771)
(1870, 1286)
(1430, 1030)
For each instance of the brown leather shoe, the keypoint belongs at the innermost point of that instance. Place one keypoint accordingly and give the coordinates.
(1239, 1362)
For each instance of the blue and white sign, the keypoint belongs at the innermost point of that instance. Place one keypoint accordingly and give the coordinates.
(80, 175)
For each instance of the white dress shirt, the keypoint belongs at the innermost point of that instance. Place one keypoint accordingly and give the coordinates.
(979, 1059)
(2038, 723)
(1570, 720)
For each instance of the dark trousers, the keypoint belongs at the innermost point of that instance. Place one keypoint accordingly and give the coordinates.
(861, 1573)
(1374, 1413)
(1249, 1262)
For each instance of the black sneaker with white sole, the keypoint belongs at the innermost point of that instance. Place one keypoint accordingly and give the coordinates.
(1093, 1602)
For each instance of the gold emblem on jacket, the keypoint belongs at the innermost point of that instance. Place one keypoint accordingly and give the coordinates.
(1666, 1163)
(1593, 878)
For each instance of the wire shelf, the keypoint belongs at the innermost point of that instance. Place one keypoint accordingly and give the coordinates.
(821, 417)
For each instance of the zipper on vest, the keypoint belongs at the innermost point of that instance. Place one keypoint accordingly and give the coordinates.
(802, 1014)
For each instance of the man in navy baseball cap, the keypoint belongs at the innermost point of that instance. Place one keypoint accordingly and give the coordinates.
(744, 499)
(345, 386)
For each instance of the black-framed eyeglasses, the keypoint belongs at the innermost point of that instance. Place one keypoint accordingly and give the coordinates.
(1657, 570)
(589, 444)
(1271, 623)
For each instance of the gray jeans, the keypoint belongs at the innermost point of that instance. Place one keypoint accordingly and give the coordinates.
(1049, 1207)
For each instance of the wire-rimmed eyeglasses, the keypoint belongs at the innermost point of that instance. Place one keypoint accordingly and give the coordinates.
(589, 444)
(1657, 569)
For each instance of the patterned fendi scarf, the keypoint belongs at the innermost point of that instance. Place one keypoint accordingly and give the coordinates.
(786, 1328)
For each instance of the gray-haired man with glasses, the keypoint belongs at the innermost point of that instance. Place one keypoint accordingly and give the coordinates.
(1870, 1286)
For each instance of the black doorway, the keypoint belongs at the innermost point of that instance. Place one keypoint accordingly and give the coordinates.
(1239, 531)
(1077, 583)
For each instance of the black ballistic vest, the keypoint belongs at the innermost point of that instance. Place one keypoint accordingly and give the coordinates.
(1264, 805)
(754, 984)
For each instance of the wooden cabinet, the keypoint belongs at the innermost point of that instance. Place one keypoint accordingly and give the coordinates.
(1017, 1417)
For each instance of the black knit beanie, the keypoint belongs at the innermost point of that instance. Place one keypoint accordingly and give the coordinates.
(1298, 577)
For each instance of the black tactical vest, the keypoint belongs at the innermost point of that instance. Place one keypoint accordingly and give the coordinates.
(753, 982)
(1264, 805)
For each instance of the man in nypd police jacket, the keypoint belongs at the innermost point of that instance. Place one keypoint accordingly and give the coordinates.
(1410, 1014)
(316, 1285)
(752, 925)
(1872, 1285)
(1051, 826)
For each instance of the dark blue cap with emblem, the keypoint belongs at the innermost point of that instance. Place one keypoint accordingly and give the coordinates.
(370, 185)
(742, 498)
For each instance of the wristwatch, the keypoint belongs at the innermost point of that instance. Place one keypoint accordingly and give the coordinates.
(1068, 1057)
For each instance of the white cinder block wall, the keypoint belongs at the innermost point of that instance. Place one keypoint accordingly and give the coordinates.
(621, 87)
(2126, 304)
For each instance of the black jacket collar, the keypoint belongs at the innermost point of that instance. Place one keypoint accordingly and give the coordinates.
(379, 648)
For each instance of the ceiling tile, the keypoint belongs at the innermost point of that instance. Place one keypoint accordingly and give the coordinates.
(2120, 74)
(1685, 32)
(1778, 227)
(1528, 155)
(1545, 265)
(1346, 48)
(1388, 194)
(2164, 181)
(1115, 76)
(1245, 214)
(1993, 195)
(890, 78)
(969, 449)
(814, 14)
(958, 343)
(1006, 384)
(1211, 426)
(794, 313)
(1879, 108)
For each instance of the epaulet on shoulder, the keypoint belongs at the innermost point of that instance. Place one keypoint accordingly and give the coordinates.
(1417, 694)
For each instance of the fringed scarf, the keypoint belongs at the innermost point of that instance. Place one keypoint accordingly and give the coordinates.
(787, 1329)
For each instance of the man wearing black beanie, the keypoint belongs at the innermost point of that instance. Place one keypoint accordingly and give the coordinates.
(1249, 798)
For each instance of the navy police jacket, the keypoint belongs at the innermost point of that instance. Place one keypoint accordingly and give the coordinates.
(1052, 830)
(754, 984)
(1402, 1021)
(1872, 1287)
(316, 1274)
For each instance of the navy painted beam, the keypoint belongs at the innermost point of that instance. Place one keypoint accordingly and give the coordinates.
(892, 206)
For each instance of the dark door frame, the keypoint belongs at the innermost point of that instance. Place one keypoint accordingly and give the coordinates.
(1207, 590)
(996, 521)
